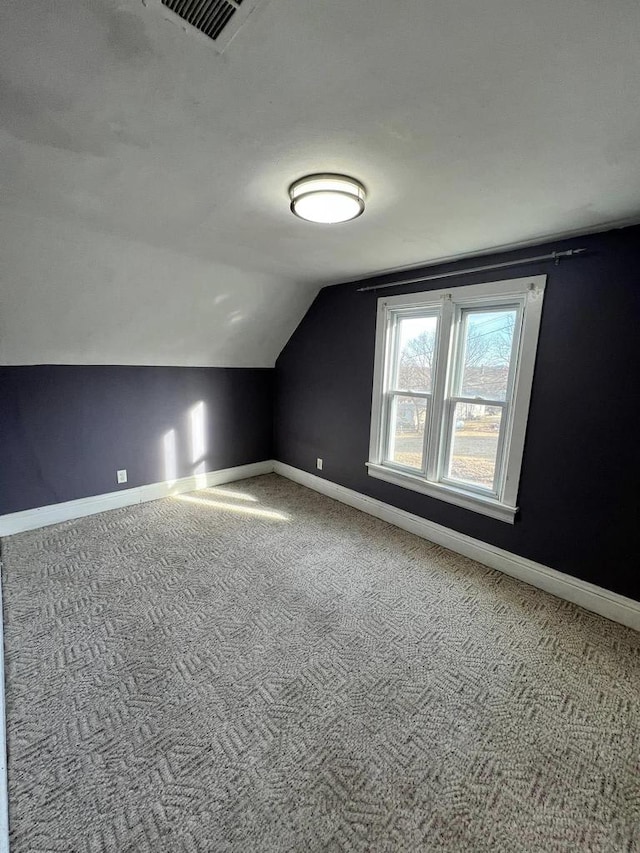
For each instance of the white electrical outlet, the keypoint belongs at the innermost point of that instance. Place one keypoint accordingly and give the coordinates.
(319, 464)
(122, 475)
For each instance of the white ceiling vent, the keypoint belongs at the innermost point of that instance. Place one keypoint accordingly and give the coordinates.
(218, 20)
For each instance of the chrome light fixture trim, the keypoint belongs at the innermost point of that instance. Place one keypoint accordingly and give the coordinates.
(327, 198)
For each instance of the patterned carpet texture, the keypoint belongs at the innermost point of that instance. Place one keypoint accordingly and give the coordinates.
(258, 668)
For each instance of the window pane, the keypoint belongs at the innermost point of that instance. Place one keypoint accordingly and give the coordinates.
(416, 353)
(474, 444)
(488, 342)
(406, 430)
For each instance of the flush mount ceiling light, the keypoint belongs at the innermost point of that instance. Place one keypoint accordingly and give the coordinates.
(327, 198)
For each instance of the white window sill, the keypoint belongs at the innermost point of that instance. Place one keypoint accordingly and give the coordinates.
(467, 500)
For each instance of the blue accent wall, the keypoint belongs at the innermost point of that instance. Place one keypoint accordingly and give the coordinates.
(579, 485)
(65, 430)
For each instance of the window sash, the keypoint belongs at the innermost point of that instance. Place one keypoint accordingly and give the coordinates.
(392, 388)
(463, 311)
(447, 448)
(456, 356)
(393, 329)
(389, 427)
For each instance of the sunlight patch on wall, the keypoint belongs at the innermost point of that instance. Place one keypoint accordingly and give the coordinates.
(197, 423)
(170, 456)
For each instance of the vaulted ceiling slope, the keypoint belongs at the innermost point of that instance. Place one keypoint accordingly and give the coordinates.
(143, 174)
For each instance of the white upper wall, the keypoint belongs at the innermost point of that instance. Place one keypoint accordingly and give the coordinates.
(71, 295)
(143, 176)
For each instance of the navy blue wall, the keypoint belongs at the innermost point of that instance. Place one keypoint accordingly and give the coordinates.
(579, 484)
(64, 430)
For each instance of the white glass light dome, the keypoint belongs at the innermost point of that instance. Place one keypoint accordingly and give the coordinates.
(327, 198)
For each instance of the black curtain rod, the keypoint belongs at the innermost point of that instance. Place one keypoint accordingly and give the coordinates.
(553, 256)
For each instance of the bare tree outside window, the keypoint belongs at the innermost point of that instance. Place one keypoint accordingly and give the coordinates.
(416, 362)
(487, 354)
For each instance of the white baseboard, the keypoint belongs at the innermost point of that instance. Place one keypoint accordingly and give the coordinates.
(616, 607)
(29, 519)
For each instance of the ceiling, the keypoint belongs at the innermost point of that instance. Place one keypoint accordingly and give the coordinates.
(143, 175)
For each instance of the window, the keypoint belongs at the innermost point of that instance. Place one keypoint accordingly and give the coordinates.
(452, 383)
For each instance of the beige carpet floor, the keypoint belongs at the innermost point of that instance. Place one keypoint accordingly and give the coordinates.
(259, 668)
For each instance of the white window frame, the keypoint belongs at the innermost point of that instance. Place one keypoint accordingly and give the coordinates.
(452, 305)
